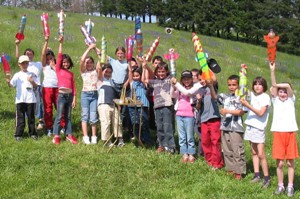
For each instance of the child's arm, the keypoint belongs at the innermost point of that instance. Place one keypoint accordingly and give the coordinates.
(238, 112)
(149, 70)
(145, 77)
(44, 50)
(259, 112)
(213, 93)
(18, 48)
(8, 82)
(275, 86)
(74, 92)
(83, 57)
(31, 80)
(59, 56)
(129, 73)
(99, 71)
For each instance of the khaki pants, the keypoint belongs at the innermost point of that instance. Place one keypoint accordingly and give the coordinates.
(234, 152)
(106, 114)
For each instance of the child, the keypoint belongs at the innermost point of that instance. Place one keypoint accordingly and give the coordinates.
(106, 108)
(284, 126)
(66, 96)
(163, 106)
(184, 107)
(50, 89)
(232, 130)
(36, 69)
(136, 79)
(25, 82)
(210, 120)
(256, 122)
(89, 96)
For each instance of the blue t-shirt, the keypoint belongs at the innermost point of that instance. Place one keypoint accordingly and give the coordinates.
(140, 91)
(120, 70)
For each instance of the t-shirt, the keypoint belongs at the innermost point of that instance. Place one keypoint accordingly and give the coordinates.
(120, 70)
(209, 107)
(231, 122)
(258, 101)
(50, 78)
(106, 92)
(162, 89)
(24, 89)
(90, 79)
(284, 118)
(183, 105)
(140, 91)
(36, 68)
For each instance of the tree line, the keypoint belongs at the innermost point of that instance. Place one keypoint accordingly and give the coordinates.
(241, 20)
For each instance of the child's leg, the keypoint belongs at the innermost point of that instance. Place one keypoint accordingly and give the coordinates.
(20, 117)
(291, 171)
(118, 131)
(227, 151)
(60, 108)
(93, 113)
(159, 127)
(105, 115)
(48, 107)
(182, 135)
(145, 127)
(263, 159)
(85, 110)
(215, 136)
(168, 129)
(279, 171)
(31, 118)
(238, 149)
(206, 143)
(255, 158)
(68, 112)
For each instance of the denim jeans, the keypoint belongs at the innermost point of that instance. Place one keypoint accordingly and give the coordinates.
(39, 103)
(164, 123)
(89, 106)
(64, 105)
(185, 127)
(135, 119)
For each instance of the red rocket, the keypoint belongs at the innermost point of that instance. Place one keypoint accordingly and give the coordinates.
(88, 39)
(152, 49)
(20, 34)
(271, 40)
(46, 29)
(171, 56)
(129, 48)
(5, 64)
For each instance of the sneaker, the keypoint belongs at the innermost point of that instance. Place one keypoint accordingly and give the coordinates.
(279, 190)
(185, 158)
(49, 133)
(94, 140)
(121, 142)
(18, 139)
(160, 149)
(290, 191)
(108, 144)
(40, 125)
(86, 140)
(255, 179)
(62, 131)
(34, 137)
(266, 184)
(71, 138)
(170, 150)
(56, 140)
(238, 176)
(191, 159)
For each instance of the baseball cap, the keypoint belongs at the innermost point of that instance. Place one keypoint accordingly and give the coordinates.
(186, 73)
(23, 58)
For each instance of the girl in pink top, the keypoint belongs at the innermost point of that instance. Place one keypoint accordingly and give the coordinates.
(66, 96)
(185, 119)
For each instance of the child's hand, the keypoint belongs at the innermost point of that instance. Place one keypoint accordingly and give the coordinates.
(61, 39)
(17, 42)
(209, 82)
(91, 46)
(198, 96)
(272, 66)
(98, 51)
(46, 38)
(74, 102)
(244, 102)
(223, 111)
(173, 80)
(29, 78)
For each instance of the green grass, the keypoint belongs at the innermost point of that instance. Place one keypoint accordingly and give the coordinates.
(41, 170)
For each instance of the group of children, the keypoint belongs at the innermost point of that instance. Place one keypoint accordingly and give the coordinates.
(192, 101)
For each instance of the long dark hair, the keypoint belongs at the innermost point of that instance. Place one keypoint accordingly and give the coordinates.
(68, 58)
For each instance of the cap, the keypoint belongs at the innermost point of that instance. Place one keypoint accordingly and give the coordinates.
(23, 58)
(186, 73)
(213, 65)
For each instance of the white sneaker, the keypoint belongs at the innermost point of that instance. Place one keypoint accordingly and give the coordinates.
(94, 140)
(86, 140)
(62, 131)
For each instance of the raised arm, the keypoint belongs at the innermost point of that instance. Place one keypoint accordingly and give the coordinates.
(130, 78)
(83, 57)
(44, 51)
(17, 48)
(210, 85)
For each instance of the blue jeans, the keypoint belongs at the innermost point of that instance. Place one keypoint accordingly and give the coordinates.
(164, 123)
(64, 105)
(135, 119)
(89, 106)
(39, 103)
(185, 127)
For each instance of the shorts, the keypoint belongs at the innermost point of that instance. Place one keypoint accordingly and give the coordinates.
(255, 135)
(284, 146)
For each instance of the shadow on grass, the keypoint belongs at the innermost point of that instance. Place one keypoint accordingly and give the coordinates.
(7, 115)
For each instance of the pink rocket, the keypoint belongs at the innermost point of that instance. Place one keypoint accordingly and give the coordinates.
(20, 34)
(45, 24)
(171, 56)
(88, 39)
(61, 17)
(5, 64)
(152, 49)
(129, 48)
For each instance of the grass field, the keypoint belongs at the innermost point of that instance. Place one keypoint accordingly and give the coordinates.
(38, 169)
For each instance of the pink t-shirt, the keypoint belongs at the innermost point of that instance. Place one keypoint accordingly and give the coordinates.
(65, 77)
(184, 107)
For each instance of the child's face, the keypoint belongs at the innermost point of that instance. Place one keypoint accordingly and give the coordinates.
(282, 94)
(187, 81)
(136, 76)
(24, 66)
(258, 88)
(66, 64)
(120, 55)
(195, 76)
(89, 64)
(202, 82)
(162, 73)
(29, 54)
(107, 73)
(232, 85)
(155, 63)
(49, 59)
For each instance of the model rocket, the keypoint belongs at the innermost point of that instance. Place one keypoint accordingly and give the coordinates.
(201, 58)
(129, 48)
(45, 24)
(5, 64)
(103, 51)
(88, 39)
(151, 51)
(138, 36)
(243, 91)
(89, 26)
(171, 56)
(20, 34)
(271, 40)
(61, 17)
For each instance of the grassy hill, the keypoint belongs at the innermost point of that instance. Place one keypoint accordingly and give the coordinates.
(41, 170)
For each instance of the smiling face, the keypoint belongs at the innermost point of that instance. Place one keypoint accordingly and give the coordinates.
(29, 54)
(258, 88)
(24, 65)
(107, 73)
(120, 55)
(89, 64)
(66, 64)
(282, 94)
(136, 76)
(162, 73)
(187, 81)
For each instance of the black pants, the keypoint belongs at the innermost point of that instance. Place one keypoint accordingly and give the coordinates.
(22, 109)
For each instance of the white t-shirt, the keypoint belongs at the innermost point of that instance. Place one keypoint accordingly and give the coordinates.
(284, 118)
(50, 78)
(24, 89)
(36, 68)
(258, 101)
